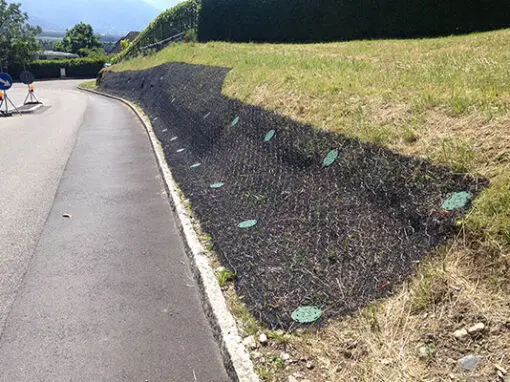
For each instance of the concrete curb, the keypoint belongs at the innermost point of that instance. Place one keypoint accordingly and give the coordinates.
(236, 357)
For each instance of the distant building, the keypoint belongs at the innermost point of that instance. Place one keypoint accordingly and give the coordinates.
(53, 55)
(118, 46)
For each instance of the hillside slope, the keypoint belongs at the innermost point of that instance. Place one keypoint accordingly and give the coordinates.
(446, 100)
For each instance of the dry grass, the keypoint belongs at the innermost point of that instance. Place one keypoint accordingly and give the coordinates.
(446, 295)
(88, 85)
(443, 99)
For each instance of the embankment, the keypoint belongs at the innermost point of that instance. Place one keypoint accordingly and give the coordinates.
(333, 236)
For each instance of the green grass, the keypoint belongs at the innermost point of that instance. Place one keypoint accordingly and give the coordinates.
(224, 276)
(491, 212)
(88, 85)
(431, 289)
(446, 99)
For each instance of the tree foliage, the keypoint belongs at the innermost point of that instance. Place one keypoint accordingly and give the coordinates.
(79, 40)
(181, 18)
(17, 37)
(125, 44)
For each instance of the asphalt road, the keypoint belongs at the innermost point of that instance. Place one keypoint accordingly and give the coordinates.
(105, 294)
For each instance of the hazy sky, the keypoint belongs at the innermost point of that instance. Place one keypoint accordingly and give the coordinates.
(162, 4)
(115, 17)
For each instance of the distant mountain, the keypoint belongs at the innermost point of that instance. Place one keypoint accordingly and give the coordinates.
(163, 4)
(115, 17)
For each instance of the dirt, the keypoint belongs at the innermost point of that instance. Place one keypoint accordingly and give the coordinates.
(335, 237)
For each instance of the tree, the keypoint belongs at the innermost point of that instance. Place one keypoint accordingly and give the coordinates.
(78, 40)
(125, 44)
(17, 37)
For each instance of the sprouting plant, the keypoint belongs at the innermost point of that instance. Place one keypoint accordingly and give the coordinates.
(225, 275)
(409, 135)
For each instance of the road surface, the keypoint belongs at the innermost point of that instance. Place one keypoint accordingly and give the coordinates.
(105, 294)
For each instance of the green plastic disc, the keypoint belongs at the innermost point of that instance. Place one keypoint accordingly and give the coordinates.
(235, 121)
(269, 135)
(457, 200)
(330, 158)
(180, 150)
(173, 139)
(217, 185)
(195, 165)
(248, 224)
(306, 314)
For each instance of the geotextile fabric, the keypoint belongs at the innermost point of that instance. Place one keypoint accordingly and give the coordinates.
(335, 237)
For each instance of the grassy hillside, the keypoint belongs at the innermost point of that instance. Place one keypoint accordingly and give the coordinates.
(445, 99)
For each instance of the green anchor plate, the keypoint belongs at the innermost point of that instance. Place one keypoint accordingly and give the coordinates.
(457, 200)
(269, 135)
(306, 314)
(330, 158)
(248, 224)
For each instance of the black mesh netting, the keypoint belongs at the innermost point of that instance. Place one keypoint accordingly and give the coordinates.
(335, 237)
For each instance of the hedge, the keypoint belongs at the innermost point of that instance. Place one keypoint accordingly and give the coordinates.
(181, 18)
(76, 68)
(334, 20)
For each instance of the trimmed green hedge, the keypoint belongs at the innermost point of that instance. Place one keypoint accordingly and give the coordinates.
(76, 68)
(181, 18)
(334, 20)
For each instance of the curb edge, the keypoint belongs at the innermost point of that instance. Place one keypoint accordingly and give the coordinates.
(235, 356)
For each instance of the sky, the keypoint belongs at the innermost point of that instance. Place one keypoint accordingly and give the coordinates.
(162, 4)
(116, 17)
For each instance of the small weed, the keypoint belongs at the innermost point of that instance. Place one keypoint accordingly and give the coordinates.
(224, 276)
(255, 200)
(429, 352)
(456, 154)
(249, 324)
(332, 256)
(432, 288)
(207, 241)
(279, 336)
(185, 201)
(409, 135)
(381, 255)
(279, 363)
(269, 371)
(369, 313)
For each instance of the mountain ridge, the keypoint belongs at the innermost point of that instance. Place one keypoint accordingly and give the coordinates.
(118, 18)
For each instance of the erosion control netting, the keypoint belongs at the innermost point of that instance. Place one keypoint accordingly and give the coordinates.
(325, 228)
